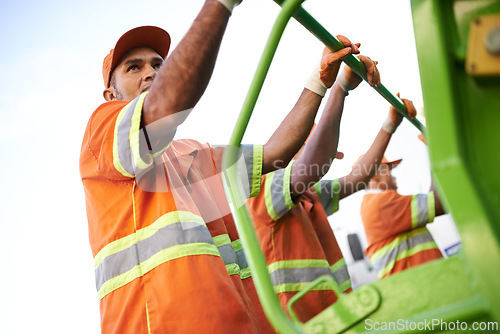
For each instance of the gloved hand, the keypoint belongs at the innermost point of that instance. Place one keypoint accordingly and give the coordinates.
(230, 4)
(348, 80)
(394, 119)
(326, 71)
(422, 138)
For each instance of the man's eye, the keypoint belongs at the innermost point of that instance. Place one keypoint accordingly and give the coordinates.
(157, 65)
(132, 68)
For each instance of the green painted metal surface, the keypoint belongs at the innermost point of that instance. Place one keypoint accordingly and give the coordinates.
(463, 117)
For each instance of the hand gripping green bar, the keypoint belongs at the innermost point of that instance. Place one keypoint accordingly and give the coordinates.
(304, 18)
(255, 258)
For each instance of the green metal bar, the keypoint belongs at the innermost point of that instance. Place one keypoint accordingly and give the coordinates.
(255, 258)
(330, 41)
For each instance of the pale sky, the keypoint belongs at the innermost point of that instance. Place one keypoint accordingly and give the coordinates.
(51, 60)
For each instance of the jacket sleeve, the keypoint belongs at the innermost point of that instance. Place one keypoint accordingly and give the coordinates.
(248, 165)
(328, 193)
(133, 151)
(404, 213)
(423, 209)
(275, 195)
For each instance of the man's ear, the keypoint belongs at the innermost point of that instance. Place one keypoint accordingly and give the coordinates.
(109, 94)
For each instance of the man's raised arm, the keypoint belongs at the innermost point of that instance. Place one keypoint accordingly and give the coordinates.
(366, 166)
(184, 76)
(293, 131)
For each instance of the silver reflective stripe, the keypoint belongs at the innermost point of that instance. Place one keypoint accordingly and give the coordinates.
(326, 195)
(341, 275)
(422, 210)
(227, 253)
(403, 246)
(247, 151)
(123, 137)
(168, 236)
(298, 275)
(242, 260)
(277, 193)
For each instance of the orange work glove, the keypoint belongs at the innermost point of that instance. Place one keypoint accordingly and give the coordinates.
(348, 80)
(330, 62)
(394, 119)
(326, 71)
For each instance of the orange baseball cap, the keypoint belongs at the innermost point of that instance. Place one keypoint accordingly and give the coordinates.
(392, 164)
(145, 36)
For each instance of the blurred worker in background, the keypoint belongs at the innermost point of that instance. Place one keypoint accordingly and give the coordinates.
(291, 213)
(167, 253)
(395, 225)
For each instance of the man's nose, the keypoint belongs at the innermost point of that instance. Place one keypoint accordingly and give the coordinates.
(150, 74)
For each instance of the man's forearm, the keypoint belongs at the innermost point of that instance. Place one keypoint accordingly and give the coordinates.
(321, 147)
(366, 167)
(292, 132)
(185, 74)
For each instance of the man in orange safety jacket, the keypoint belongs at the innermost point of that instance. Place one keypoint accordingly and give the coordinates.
(168, 258)
(395, 225)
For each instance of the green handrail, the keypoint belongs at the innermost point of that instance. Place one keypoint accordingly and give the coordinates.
(331, 42)
(255, 258)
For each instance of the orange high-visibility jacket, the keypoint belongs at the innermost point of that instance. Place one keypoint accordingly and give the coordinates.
(395, 230)
(298, 241)
(168, 258)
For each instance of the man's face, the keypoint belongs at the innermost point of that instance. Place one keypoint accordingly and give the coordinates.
(134, 74)
(385, 179)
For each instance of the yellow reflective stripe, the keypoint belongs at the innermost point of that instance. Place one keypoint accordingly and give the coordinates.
(386, 249)
(245, 273)
(258, 160)
(135, 131)
(345, 285)
(160, 152)
(294, 287)
(161, 257)
(125, 242)
(410, 252)
(236, 245)
(116, 157)
(114, 247)
(335, 195)
(300, 263)
(414, 211)
(268, 197)
(222, 239)
(339, 264)
(119, 281)
(147, 319)
(233, 268)
(431, 206)
(395, 243)
(286, 186)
